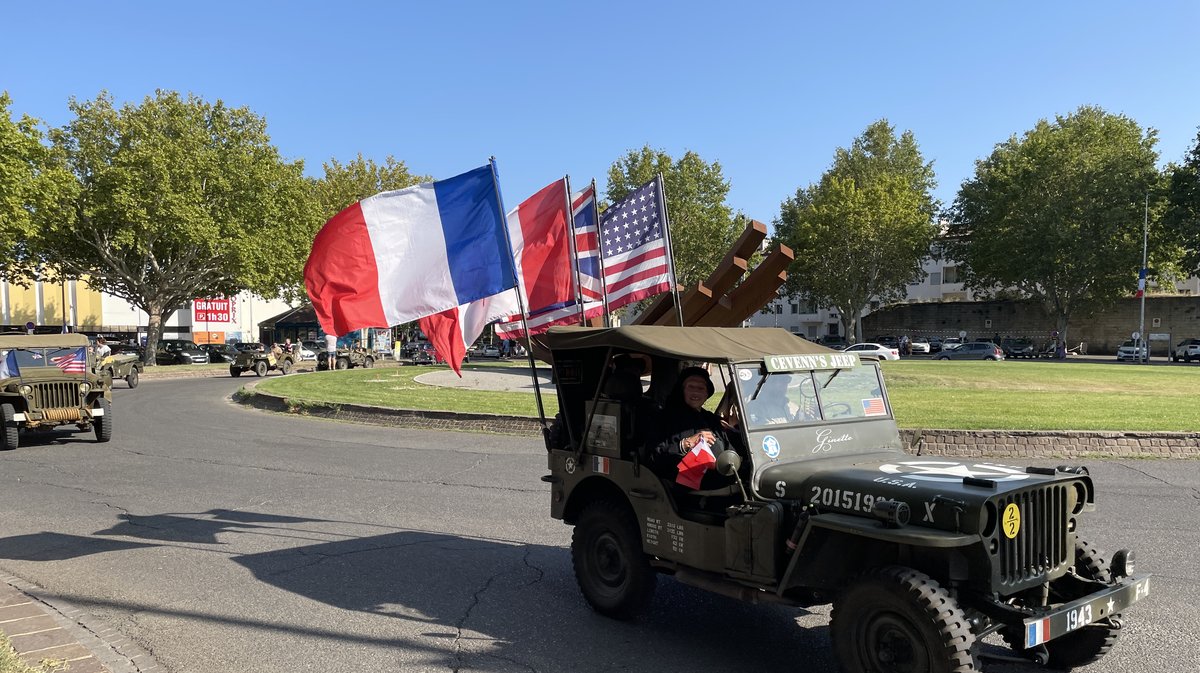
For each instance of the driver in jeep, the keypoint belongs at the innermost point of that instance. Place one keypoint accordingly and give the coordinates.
(686, 423)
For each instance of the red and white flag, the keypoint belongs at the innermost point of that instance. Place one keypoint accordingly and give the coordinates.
(694, 464)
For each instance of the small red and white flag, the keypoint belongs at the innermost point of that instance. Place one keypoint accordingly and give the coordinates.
(694, 464)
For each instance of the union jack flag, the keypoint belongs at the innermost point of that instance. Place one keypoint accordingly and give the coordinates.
(72, 363)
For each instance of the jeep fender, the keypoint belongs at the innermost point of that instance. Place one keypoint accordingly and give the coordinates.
(588, 490)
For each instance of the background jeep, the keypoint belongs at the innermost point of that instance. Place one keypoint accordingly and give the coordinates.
(347, 358)
(921, 558)
(126, 366)
(47, 381)
(261, 362)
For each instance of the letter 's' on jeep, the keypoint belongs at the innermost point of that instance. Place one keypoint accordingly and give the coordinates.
(921, 557)
(48, 381)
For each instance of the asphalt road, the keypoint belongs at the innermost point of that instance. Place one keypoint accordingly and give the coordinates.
(221, 538)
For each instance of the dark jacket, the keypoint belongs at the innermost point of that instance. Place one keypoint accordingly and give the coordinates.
(681, 421)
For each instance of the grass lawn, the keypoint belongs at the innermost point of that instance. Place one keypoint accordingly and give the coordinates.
(395, 387)
(1010, 395)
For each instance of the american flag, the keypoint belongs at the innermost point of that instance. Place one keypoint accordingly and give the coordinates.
(72, 363)
(873, 406)
(583, 217)
(637, 263)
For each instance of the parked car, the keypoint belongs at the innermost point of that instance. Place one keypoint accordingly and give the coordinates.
(179, 352)
(307, 354)
(220, 353)
(491, 351)
(921, 345)
(1131, 351)
(833, 341)
(1018, 347)
(976, 350)
(890, 341)
(935, 344)
(878, 350)
(1187, 350)
(950, 343)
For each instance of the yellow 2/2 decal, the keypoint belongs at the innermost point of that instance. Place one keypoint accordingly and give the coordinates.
(1012, 520)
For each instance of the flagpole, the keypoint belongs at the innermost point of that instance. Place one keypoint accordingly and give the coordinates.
(662, 196)
(600, 253)
(574, 251)
(537, 391)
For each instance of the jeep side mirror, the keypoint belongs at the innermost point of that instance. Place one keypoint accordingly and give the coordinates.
(729, 462)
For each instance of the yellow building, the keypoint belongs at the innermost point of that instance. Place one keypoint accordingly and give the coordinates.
(51, 305)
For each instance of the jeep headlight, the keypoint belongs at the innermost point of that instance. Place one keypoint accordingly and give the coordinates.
(85, 388)
(26, 390)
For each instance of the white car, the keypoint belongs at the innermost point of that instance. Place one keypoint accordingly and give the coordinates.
(1131, 351)
(920, 345)
(306, 354)
(1187, 350)
(881, 352)
(950, 343)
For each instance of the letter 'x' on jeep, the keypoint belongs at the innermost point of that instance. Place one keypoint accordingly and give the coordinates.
(921, 557)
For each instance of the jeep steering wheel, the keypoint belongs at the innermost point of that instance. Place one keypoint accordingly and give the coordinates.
(837, 410)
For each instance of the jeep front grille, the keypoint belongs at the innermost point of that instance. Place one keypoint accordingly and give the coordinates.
(1040, 546)
(58, 395)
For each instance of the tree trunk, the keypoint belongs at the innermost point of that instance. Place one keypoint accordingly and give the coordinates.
(849, 325)
(1061, 327)
(154, 325)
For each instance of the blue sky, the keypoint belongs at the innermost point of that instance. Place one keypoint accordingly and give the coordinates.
(768, 89)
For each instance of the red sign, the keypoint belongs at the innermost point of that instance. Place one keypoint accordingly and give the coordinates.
(212, 310)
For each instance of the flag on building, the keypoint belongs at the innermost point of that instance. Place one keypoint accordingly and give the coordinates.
(72, 363)
(637, 262)
(8, 366)
(541, 249)
(587, 251)
(1141, 283)
(398, 256)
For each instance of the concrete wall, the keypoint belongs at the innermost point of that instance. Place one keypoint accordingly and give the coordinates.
(1102, 331)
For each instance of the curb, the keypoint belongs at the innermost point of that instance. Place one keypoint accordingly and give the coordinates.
(1023, 444)
(66, 632)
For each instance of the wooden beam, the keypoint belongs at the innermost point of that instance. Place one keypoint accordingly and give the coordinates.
(662, 304)
(727, 274)
(694, 301)
(718, 314)
(761, 286)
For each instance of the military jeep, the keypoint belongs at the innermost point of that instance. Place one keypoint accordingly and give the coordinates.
(346, 358)
(920, 557)
(261, 362)
(47, 381)
(126, 366)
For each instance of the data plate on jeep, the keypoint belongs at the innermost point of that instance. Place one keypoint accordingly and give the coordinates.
(1087, 610)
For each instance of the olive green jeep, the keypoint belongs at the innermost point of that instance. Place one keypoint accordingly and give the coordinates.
(920, 557)
(48, 381)
(126, 366)
(347, 358)
(261, 362)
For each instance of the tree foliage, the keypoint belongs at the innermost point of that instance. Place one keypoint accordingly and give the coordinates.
(176, 198)
(863, 230)
(702, 227)
(1057, 214)
(1182, 217)
(344, 184)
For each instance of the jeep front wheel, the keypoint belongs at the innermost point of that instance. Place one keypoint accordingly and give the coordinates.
(285, 366)
(11, 436)
(103, 424)
(898, 620)
(131, 379)
(235, 371)
(368, 363)
(1092, 642)
(606, 552)
(260, 368)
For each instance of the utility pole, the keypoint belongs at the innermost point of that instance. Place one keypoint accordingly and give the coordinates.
(1144, 355)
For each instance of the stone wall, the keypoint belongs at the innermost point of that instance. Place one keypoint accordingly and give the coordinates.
(1047, 444)
(1101, 331)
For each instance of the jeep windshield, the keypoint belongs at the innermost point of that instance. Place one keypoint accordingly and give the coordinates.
(780, 398)
(37, 357)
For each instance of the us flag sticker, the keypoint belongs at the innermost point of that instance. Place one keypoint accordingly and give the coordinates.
(873, 406)
(600, 465)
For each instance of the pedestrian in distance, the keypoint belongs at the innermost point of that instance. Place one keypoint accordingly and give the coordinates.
(330, 350)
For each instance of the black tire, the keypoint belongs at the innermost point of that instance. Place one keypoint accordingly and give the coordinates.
(235, 371)
(133, 378)
(260, 368)
(285, 366)
(342, 363)
(612, 570)
(1090, 643)
(368, 363)
(898, 620)
(11, 438)
(103, 425)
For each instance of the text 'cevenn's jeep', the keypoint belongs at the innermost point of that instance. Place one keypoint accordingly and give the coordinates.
(920, 557)
(46, 381)
(261, 362)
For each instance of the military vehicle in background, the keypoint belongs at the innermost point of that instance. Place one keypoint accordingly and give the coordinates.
(47, 381)
(261, 362)
(346, 358)
(920, 557)
(126, 366)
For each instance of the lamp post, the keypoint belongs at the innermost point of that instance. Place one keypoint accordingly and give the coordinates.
(1144, 353)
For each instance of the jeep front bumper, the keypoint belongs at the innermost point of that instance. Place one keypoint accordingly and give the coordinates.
(1090, 609)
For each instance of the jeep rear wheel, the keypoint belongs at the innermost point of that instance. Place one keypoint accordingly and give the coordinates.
(11, 437)
(342, 363)
(1091, 642)
(606, 552)
(285, 366)
(898, 620)
(235, 371)
(260, 368)
(132, 378)
(368, 363)
(103, 424)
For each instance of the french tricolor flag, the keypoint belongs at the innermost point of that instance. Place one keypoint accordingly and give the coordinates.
(401, 255)
(1037, 632)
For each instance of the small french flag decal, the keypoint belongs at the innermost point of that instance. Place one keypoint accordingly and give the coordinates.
(1037, 633)
(600, 465)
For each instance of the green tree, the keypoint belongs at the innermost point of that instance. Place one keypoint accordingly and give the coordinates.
(1182, 217)
(1057, 214)
(351, 182)
(863, 230)
(177, 198)
(34, 184)
(702, 226)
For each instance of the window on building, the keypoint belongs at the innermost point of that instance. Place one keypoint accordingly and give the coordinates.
(935, 278)
(795, 308)
(950, 274)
